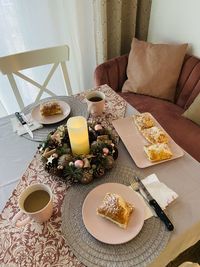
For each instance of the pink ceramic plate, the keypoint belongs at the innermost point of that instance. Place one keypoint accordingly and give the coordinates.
(105, 230)
(135, 142)
(35, 113)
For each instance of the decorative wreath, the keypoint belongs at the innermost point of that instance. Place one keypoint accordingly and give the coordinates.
(59, 160)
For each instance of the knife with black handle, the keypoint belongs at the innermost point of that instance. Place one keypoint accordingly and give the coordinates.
(24, 123)
(154, 204)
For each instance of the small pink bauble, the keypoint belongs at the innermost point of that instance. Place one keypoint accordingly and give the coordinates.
(98, 127)
(78, 163)
(105, 150)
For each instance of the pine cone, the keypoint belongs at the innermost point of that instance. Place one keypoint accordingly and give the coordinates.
(87, 177)
(64, 160)
(103, 138)
(99, 171)
(109, 162)
(52, 144)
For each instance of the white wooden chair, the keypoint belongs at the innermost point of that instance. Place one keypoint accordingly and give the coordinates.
(12, 65)
(3, 111)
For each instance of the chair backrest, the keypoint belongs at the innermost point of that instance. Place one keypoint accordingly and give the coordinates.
(188, 86)
(13, 64)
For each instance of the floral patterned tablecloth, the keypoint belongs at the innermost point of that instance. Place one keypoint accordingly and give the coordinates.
(43, 244)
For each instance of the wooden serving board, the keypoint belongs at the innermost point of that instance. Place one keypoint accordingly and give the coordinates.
(135, 142)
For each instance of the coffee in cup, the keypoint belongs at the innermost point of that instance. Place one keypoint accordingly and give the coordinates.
(96, 103)
(36, 201)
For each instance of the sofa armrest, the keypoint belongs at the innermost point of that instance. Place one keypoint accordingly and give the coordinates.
(112, 72)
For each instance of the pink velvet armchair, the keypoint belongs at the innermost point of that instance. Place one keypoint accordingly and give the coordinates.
(185, 132)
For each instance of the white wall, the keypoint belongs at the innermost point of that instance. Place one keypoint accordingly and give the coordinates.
(176, 21)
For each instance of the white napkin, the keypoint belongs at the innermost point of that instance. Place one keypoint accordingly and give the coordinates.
(162, 193)
(20, 130)
(159, 191)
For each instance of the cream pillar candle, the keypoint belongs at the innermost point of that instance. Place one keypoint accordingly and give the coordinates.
(78, 135)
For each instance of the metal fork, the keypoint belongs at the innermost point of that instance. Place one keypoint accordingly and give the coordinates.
(136, 187)
(134, 184)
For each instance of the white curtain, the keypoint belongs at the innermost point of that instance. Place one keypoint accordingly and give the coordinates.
(34, 24)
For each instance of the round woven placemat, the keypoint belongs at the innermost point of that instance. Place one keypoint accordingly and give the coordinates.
(139, 252)
(77, 109)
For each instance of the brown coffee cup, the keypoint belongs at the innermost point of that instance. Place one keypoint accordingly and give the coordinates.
(36, 201)
(96, 103)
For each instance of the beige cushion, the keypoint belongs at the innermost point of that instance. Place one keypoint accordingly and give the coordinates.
(193, 112)
(189, 264)
(153, 69)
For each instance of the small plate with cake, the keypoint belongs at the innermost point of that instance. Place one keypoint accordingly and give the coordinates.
(113, 213)
(51, 112)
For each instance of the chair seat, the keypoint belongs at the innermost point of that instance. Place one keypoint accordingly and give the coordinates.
(169, 116)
